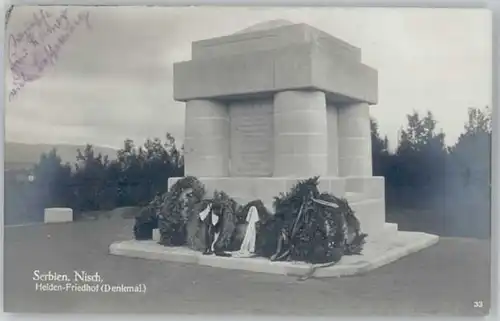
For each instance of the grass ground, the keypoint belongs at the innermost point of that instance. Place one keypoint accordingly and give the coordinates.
(445, 279)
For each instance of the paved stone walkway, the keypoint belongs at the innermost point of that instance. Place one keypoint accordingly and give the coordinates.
(445, 279)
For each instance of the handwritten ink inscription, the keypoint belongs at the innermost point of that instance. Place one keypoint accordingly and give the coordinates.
(38, 46)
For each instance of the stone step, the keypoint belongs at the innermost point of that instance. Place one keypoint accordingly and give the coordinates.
(388, 230)
(371, 214)
(352, 197)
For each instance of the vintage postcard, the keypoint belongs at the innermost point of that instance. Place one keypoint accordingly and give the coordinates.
(248, 160)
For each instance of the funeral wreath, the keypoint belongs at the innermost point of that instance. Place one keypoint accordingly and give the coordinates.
(306, 226)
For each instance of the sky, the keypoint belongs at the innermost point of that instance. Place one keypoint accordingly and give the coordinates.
(111, 79)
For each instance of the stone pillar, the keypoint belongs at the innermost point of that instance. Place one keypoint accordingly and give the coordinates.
(206, 142)
(300, 133)
(355, 156)
(333, 140)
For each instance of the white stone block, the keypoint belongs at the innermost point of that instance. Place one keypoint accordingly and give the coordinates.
(156, 235)
(369, 186)
(58, 215)
(337, 186)
(371, 214)
(173, 180)
(390, 229)
(354, 197)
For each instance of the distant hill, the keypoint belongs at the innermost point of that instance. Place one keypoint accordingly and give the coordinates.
(20, 155)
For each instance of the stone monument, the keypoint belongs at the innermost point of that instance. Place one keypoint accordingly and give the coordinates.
(270, 105)
(276, 103)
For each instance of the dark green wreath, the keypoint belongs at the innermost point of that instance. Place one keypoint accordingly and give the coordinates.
(322, 234)
(229, 207)
(349, 226)
(196, 228)
(286, 207)
(147, 219)
(178, 205)
(242, 224)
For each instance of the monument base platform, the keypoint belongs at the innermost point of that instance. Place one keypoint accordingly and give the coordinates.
(380, 250)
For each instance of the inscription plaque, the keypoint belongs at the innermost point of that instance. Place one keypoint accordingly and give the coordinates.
(251, 138)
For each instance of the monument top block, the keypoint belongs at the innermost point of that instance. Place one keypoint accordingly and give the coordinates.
(272, 57)
(271, 35)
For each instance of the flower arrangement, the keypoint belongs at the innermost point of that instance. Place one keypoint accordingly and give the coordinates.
(147, 219)
(179, 205)
(241, 222)
(310, 226)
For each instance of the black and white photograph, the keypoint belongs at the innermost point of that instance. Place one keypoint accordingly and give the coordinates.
(216, 160)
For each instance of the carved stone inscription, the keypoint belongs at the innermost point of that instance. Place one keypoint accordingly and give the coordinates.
(251, 138)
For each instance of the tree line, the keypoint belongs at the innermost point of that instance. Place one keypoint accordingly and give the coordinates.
(427, 182)
(434, 187)
(94, 182)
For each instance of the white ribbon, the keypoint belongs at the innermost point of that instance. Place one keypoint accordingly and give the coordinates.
(216, 237)
(248, 244)
(203, 214)
(215, 219)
